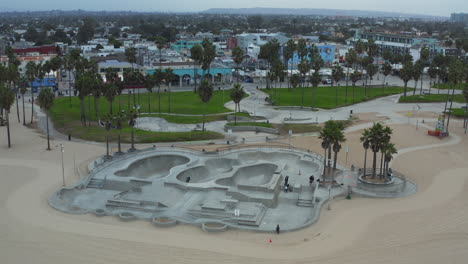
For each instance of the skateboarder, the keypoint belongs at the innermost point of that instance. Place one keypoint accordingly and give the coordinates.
(311, 179)
(188, 179)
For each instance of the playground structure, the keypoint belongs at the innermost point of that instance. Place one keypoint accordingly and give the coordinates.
(237, 188)
(440, 130)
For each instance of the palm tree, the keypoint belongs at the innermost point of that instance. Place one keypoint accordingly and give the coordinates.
(205, 91)
(13, 76)
(23, 88)
(107, 123)
(351, 58)
(432, 71)
(130, 53)
(159, 77)
(55, 65)
(338, 138)
(209, 53)
(317, 63)
(169, 76)
(237, 93)
(376, 136)
(337, 74)
(46, 100)
(196, 54)
(365, 139)
(83, 84)
(406, 73)
(303, 67)
(465, 95)
(384, 142)
(119, 119)
(7, 98)
(97, 91)
(355, 76)
(110, 90)
(371, 70)
(131, 117)
(388, 150)
(31, 73)
(326, 135)
(150, 82)
(386, 70)
(417, 70)
(237, 57)
(288, 54)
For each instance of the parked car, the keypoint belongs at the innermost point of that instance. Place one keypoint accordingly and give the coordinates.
(327, 81)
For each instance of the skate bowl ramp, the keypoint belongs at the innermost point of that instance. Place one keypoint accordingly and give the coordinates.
(259, 174)
(197, 175)
(270, 157)
(154, 166)
(221, 165)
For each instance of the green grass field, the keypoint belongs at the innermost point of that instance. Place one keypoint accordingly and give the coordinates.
(430, 98)
(259, 124)
(67, 119)
(328, 97)
(459, 112)
(450, 86)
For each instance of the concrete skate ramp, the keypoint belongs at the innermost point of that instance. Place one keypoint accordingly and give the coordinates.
(251, 157)
(221, 165)
(254, 175)
(155, 166)
(197, 175)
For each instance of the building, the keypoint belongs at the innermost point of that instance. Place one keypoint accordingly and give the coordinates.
(326, 51)
(259, 39)
(459, 18)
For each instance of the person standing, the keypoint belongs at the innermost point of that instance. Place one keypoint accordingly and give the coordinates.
(286, 179)
(277, 229)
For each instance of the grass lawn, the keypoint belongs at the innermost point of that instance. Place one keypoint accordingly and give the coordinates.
(193, 119)
(459, 112)
(329, 97)
(430, 98)
(460, 86)
(259, 124)
(67, 119)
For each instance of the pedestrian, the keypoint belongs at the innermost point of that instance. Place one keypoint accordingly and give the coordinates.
(277, 229)
(311, 179)
(286, 179)
(188, 179)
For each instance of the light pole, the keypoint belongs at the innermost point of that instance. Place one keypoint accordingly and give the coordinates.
(63, 167)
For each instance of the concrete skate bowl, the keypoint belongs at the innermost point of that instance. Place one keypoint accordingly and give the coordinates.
(253, 175)
(253, 157)
(221, 165)
(198, 174)
(153, 167)
(305, 167)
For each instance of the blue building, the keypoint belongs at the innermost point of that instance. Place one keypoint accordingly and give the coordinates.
(43, 83)
(327, 52)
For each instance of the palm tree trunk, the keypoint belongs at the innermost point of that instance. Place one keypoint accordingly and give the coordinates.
(107, 144)
(235, 113)
(450, 110)
(149, 102)
(204, 111)
(24, 113)
(8, 128)
(405, 88)
(159, 97)
(381, 164)
(334, 161)
(118, 142)
(82, 110)
(47, 125)
(32, 105)
(324, 162)
(415, 85)
(133, 140)
(169, 98)
(69, 88)
(96, 108)
(89, 111)
(17, 106)
(365, 162)
(374, 164)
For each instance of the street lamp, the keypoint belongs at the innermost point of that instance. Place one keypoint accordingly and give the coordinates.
(63, 167)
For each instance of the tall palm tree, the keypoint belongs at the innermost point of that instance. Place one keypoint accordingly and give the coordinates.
(337, 74)
(46, 100)
(12, 76)
(376, 137)
(131, 117)
(7, 98)
(355, 76)
(205, 92)
(150, 82)
(338, 138)
(406, 73)
(465, 95)
(326, 135)
(107, 123)
(303, 67)
(238, 58)
(209, 53)
(237, 93)
(417, 71)
(196, 54)
(23, 88)
(384, 142)
(119, 120)
(84, 82)
(351, 58)
(110, 91)
(31, 73)
(386, 70)
(169, 77)
(365, 139)
(388, 150)
(130, 53)
(288, 54)
(97, 91)
(159, 76)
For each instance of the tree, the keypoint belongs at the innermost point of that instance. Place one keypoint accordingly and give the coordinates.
(196, 54)
(269, 53)
(237, 57)
(288, 54)
(386, 70)
(119, 120)
(107, 123)
(295, 80)
(46, 100)
(432, 71)
(23, 88)
(7, 98)
(86, 31)
(55, 65)
(31, 73)
(131, 118)
(130, 53)
(169, 76)
(237, 94)
(351, 59)
(84, 82)
(388, 151)
(150, 82)
(417, 71)
(303, 67)
(205, 92)
(371, 70)
(365, 140)
(337, 138)
(110, 89)
(406, 73)
(209, 53)
(337, 74)
(465, 95)
(159, 77)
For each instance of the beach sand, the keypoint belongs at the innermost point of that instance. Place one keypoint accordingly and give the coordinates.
(428, 227)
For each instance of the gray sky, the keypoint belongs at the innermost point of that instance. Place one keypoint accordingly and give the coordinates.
(429, 7)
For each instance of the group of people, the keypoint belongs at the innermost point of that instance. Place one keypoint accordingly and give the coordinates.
(289, 189)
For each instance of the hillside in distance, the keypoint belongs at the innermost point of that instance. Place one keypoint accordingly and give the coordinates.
(316, 12)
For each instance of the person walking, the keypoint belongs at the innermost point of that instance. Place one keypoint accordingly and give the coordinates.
(277, 229)
(286, 179)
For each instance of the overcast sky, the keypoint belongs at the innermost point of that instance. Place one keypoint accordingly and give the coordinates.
(429, 7)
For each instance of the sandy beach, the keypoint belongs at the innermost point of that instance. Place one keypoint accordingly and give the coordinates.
(428, 227)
